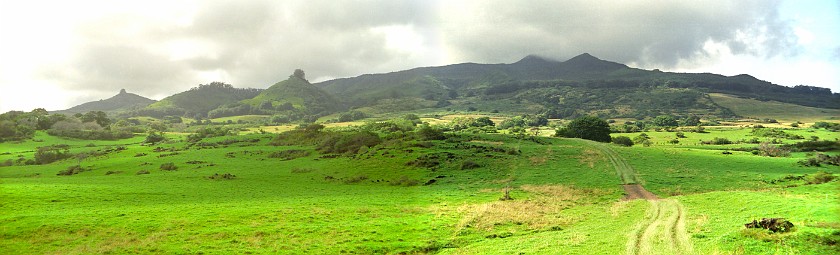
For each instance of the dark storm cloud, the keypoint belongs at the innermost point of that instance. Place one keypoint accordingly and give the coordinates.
(257, 43)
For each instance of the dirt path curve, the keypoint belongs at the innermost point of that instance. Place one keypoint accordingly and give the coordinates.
(662, 231)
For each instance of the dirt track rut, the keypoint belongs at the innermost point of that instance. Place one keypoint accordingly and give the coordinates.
(663, 230)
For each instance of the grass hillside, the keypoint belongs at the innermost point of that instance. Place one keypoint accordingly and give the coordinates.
(121, 102)
(393, 187)
(772, 109)
(298, 92)
(198, 101)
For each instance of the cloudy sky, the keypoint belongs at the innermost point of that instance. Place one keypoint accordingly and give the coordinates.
(56, 54)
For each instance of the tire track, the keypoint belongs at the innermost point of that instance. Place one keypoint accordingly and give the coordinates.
(663, 230)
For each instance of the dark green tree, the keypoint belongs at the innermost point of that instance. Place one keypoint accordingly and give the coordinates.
(622, 140)
(587, 127)
(691, 120)
(96, 116)
(665, 121)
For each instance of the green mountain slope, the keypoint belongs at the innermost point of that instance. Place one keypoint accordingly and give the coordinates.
(198, 101)
(121, 102)
(295, 94)
(583, 84)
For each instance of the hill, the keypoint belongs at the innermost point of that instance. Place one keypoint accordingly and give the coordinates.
(121, 102)
(584, 84)
(774, 110)
(294, 94)
(198, 101)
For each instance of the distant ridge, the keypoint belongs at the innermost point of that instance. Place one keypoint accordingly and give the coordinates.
(580, 72)
(121, 102)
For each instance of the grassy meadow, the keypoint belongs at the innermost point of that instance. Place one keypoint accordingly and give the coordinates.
(240, 194)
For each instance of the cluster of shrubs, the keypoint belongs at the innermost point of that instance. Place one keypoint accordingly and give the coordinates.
(717, 141)
(404, 181)
(827, 125)
(814, 178)
(289, 154)
(225, 176)
(814, 146)
(49, 154)
(353, 140)
(775, 133)
(820, 159)
(168, 166)
(771, 150)
(91, 134)
(209, 132)
(71, 170)
(622, 140)
(351, 116)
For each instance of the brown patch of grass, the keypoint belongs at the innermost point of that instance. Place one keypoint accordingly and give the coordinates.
(91, 241)
(590, 157)
(539, 211)
(537, 161)
(487, 142)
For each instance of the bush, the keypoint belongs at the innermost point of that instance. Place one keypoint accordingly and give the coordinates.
(718, 141)
(300, 170)
(814, 146)
(49, 154)
(404, 181)
(356, 179)
(819, 177)
(154, 138)
(641, 138)
(226, 176)
(770, 150)
(680, 135)
(71, 170)
(426, 133)
(469, 164)
(622, 140)
(168, 166)
(289, 154)
(349, 143)
(827, 125)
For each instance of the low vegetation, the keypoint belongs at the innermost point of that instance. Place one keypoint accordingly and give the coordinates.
(420, 183)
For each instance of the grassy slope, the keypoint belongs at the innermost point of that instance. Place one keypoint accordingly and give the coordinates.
(771, 109)
(565, 200)
(267, 208)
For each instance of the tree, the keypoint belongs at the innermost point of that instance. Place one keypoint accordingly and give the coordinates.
(587, 127)
(691, 120)
(665, 121)
(622, 140)
(96, 116)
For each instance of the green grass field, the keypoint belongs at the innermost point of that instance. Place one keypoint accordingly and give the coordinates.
(566, 197)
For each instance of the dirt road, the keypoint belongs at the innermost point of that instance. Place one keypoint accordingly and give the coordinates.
(663, 229)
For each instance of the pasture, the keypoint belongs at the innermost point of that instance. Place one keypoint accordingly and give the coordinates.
(240, 194)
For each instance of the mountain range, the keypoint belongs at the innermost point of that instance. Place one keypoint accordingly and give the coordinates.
(581, 85)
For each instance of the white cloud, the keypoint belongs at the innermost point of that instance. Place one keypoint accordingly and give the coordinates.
(156, 48)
